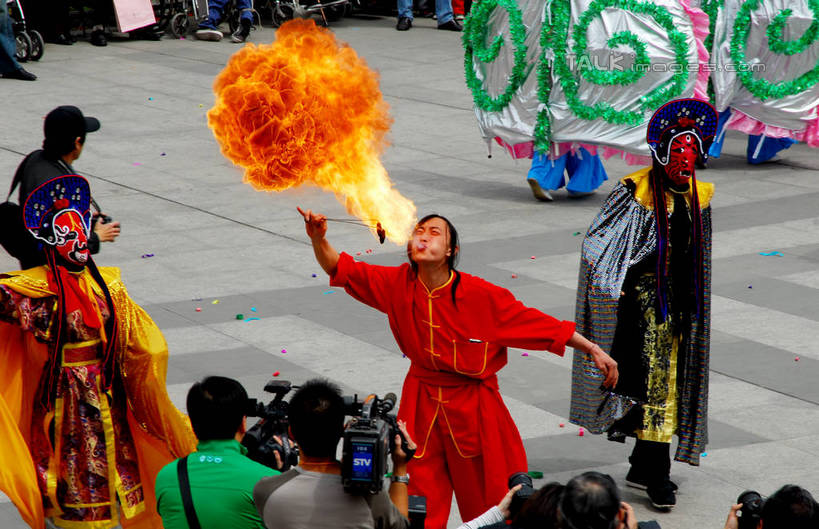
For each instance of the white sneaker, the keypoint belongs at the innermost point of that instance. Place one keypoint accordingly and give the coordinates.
(209, 34)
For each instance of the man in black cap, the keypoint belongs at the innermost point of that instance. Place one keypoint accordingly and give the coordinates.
(65, 129)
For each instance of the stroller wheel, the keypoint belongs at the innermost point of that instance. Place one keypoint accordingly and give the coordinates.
(179, 25)
(37, 45)
(23, 47)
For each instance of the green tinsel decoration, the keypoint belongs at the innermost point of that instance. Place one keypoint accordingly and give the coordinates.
(474, 41)
(651, 101)
(762, 88)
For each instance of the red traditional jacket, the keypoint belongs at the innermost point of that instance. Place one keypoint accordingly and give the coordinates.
(456, 349)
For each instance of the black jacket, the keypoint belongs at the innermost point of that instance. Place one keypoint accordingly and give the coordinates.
(33, 171)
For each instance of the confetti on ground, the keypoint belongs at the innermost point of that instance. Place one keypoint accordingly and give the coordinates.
(524, 354)
(147, 255)
(162, 154)
(796, 359)
(284, 351)
(136, 163)
(251, 319)
(276, 374)
(198, 309)
(358, 253)
(214, 302)
(201, 105)
(327, 292)
(150, 99)
(314, 275)
(750, 286)
(532, 257)
(704, 454)
(575, 234)
(562, 425)
(253, 309)
(772, 254)
(240, 316)
(536, 474)
(514, 276)
(581, 432)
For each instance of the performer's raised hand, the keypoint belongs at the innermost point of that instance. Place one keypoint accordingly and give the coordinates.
(315, 224)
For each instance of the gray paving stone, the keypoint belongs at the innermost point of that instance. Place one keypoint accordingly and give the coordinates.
(213, 237)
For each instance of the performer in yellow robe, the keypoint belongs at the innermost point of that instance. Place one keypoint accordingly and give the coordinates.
(85, 418)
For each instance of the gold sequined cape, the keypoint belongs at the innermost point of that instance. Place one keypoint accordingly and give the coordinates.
(624, 234)
(161, 432)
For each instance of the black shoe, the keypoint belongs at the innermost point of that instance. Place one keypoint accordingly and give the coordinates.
(404, 23)
(451, 26)
(98, 38)
(639, 481)
(662, 496)
(241, 33)
(63, 40)
(20, 74)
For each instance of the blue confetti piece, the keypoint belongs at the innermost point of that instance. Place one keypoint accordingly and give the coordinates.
(252, 309)
(704, 454)
(251, 319)
(328, 292)
(772, 254)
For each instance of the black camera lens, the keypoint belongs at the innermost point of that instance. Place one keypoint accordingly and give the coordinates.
(751, 511)
(521, 495)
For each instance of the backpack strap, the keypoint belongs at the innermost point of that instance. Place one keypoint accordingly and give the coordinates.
(185, 489)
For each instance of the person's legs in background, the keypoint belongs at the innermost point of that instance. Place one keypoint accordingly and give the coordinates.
(9, 67)
(443, 10)
(245, 8)
(404, 15)
(209, 28)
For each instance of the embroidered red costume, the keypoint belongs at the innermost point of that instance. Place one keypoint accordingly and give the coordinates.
(450, 399)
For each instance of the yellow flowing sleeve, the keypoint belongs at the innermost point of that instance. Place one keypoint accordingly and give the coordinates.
(143, 364)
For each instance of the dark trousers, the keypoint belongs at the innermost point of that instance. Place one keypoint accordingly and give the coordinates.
(652, 460)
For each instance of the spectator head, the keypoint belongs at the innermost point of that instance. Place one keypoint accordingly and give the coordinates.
(63, 127)
(217, 408)
(540, 510)
(316, 415)
(590, 501)
(791, 507)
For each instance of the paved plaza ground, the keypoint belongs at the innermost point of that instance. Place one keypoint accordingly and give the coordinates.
(155, 167)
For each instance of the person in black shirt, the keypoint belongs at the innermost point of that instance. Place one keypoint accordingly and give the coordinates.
(65, 130)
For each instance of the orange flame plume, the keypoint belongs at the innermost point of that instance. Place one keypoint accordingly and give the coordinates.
(307, 109)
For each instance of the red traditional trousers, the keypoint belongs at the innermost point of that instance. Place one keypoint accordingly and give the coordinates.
(443, 471)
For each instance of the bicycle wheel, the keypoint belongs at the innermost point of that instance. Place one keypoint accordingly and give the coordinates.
(23, 46)
(37, 45)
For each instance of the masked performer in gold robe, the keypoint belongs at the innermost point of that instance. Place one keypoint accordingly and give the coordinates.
(644, 297)
(85, 418)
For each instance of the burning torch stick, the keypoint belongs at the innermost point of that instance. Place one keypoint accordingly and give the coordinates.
(367, 223)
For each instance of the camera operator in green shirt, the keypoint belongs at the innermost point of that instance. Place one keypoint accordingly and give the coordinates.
(221, 478)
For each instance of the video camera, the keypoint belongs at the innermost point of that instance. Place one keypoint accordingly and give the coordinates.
(368, 439)
(260, 440)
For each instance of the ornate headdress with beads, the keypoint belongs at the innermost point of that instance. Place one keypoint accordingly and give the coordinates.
(681, 116)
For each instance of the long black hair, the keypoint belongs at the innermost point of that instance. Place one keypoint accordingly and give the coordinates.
(658, 177)
(48, 383)
(452, 260)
